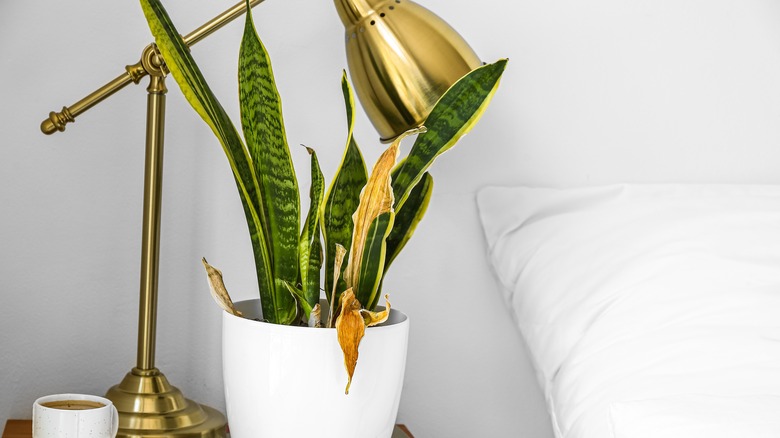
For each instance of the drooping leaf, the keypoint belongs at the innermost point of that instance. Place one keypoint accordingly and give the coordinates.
(456, 112)
(343, 196)
(310, 244)
(218, 290)
(261, 118)
(375, 318)
(197, 92)
(350, 328)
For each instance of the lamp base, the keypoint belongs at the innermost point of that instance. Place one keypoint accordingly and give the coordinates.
(150, 407)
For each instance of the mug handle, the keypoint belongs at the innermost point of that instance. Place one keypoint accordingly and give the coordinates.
(114, 421)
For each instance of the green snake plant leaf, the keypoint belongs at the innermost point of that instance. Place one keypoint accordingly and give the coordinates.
(407, 218)
(310, 244)
(405, 223)
(456, 112)
(337, 262)
(343, 197)
(299, 296)
(261, 118)
(197, 92)
(372, 264)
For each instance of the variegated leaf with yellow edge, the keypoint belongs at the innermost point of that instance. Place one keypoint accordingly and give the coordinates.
(342, 199)
(456, 112)
(339, 260)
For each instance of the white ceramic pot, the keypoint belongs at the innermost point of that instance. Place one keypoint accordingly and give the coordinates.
(288, 382)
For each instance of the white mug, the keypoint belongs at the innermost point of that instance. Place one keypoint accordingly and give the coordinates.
(74, 416)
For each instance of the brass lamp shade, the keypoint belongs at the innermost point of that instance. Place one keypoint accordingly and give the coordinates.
(402, 58)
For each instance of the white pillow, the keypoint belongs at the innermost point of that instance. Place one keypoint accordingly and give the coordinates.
(698, 416)
(640, 292)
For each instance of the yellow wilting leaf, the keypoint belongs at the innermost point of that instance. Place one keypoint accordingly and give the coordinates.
(374, 318)
(218, 290)
(350, 328)
(375, 199)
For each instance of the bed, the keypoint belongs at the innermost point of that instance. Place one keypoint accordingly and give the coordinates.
(648, 310)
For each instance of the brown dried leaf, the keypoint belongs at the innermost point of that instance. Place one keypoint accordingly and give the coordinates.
(350, 328)
(218, 290)
(315, 318)
(375, 318)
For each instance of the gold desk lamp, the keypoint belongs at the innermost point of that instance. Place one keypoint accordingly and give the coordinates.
(401, 57)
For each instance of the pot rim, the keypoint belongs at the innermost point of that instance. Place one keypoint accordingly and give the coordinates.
(399, 318)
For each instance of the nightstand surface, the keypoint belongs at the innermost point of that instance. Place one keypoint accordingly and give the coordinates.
(23, 429)
(18, 429)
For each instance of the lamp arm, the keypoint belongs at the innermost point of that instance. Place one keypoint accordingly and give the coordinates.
(135, 72)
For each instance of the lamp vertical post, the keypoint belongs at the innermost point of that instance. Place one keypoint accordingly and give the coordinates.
(148, 404)
(150, 240)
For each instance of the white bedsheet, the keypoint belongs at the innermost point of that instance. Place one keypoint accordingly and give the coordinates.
(635, 299)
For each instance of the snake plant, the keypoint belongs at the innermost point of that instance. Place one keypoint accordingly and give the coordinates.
(365, 219)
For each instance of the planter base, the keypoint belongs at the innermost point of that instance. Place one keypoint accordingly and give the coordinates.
(283, 381)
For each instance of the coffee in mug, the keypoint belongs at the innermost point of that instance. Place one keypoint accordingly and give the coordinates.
(74, 416)
(73, 405)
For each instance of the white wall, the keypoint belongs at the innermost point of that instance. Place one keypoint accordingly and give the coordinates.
(595, 92)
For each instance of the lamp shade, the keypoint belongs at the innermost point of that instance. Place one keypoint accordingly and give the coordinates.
(402, 58)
